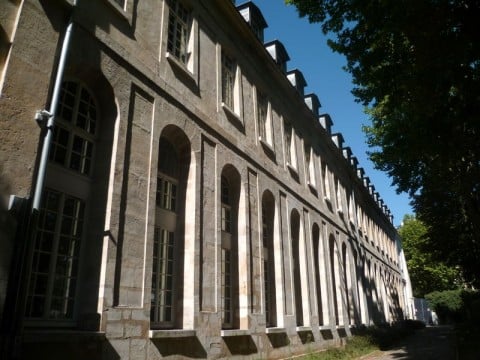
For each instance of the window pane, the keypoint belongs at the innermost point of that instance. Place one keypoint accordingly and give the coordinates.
(262, 108)
(163, 276)
(228, 81)
(54, 269)
(178, 30)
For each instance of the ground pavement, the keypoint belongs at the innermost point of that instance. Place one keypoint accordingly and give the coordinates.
(430, 343)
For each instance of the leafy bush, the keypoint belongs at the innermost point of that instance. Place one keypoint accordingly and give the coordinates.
(454, 306)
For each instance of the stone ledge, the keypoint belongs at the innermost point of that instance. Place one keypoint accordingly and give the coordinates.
(171, 333)
(303, 328)
(51, 335)
(275, 330)
(234, 332)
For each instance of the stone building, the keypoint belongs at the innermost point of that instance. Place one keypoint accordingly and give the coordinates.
(170, 191)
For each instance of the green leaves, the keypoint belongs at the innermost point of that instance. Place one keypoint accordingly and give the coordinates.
(426, 273)
(416, 67)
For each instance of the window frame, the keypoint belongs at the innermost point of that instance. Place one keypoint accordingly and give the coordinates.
(73, 130)
(290, 148)
(169, 209)
(188, 67)
(51, 274)
(264, 119)
(70, 183)
(233, 109)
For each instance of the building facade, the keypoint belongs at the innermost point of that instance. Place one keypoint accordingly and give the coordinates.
(170, 191)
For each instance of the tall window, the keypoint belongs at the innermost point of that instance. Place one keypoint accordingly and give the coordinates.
(326, 181)
(319, 271)
(228, 81)
(264, 119)
(289, 143)
(227, 260)
(179, 27)
(56, 251)
(268, 214)
(309, 165)
(167, 265)
(229, 252)
(55, 257)
(339, 191)
(295, 238)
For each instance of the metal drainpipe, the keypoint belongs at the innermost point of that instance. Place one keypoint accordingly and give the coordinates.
(51, 114)
(11, 346)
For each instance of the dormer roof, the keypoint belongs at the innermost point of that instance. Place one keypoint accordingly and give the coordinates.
(297, 80)
(253, 16)
(312, 102)
(278, 52)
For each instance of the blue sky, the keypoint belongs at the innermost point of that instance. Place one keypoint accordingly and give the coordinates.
(322, 69)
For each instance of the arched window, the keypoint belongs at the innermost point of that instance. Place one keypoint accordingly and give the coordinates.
(268, 216)
(61, 228)
(167, 267)
(229, 197)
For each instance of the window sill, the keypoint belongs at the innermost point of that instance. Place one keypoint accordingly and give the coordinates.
(178, 65)
(303, 328)
(312, 187)
(232, 115)
(267, 147)
(275, 330)
(171, 333)
(234, 332)
(120, 11)
(293, 170)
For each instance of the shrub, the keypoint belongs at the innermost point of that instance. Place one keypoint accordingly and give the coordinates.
(454, 306)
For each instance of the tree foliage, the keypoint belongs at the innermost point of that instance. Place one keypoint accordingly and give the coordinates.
(426, 274)
(416, 67)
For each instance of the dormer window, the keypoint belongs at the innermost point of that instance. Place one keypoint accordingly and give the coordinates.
(253, 16)
(297, 80)
(278, 53)
(312, 102)
(338, 140)
(326, 122)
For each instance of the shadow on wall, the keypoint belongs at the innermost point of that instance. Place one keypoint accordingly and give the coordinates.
(188, 346)
(8, 226)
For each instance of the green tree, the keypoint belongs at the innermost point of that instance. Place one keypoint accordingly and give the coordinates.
(416, 67)
(426, 274)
